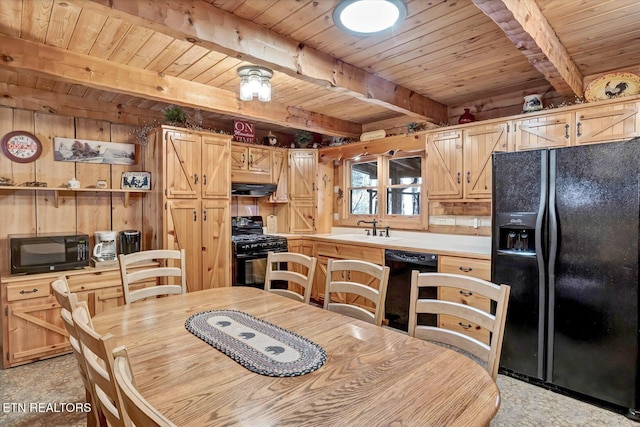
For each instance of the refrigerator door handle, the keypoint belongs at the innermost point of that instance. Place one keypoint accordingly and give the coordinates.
(539, 233)
(553, 252)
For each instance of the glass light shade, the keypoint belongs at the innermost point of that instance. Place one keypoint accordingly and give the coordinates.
(264, 94)
(245, 90)
(254, 82)
(368, 17)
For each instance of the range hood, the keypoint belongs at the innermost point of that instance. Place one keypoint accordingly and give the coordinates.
(252, 190)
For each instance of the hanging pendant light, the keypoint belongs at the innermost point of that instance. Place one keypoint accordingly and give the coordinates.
(255, 82)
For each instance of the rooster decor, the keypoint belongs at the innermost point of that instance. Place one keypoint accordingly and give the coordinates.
(613, 92)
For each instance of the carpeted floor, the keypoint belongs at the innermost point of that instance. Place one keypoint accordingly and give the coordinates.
(55, 382)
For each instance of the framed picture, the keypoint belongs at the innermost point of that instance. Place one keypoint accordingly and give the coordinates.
(136, 181)
(87, 151)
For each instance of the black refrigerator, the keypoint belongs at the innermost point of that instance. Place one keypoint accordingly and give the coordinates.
(565, 238)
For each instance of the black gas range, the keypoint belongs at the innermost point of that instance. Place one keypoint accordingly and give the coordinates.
(249, 239)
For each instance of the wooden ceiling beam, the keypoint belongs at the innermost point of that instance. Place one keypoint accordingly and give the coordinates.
(68, 105)
(528, 29)
(215, 29)
(68, 66)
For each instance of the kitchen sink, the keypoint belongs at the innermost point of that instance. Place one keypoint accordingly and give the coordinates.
(363, 238)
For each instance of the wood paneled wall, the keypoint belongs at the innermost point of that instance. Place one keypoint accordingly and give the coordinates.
(27, 211)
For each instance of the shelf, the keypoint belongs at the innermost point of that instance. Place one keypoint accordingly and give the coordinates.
(57, 190)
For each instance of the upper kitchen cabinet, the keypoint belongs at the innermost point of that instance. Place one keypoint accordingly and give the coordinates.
(607, 123)
(191, 162)
(303, 203)
(544, 131)
(459, 161)
(250, 163)
(579, 125)
(279, 172)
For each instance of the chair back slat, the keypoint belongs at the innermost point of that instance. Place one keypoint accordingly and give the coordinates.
(493, 322)
(336, 289)
(160, 274)
(295, 261)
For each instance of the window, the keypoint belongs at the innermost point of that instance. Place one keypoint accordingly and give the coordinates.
(398, 178)
(403, 186)
(363, 192)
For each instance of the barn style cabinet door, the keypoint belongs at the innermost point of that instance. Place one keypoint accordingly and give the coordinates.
(479, 143)
(250, 163)
(183, 164)
(303, 205)
(444, 165)
(549, 130)
(607, 123)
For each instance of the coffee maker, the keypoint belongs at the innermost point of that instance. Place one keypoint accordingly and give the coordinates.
(129, 241)
(105, 247)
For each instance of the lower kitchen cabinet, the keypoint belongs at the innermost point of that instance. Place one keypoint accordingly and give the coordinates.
(478, 268)
(326, 251)
(31, 325)
(304, 247)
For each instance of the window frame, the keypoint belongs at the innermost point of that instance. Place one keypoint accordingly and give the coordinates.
(398, 221)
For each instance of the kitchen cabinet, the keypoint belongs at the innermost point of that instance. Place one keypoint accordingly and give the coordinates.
(478, 268)
(197, 218)
(250, 163)
(31, 325)
(459, 161)
(303, 203)
(195, 164)
(279, 175)
(543, 131)
(326, 251)
(300, 246)
(201, 228)
(607, 123)
(587, 125)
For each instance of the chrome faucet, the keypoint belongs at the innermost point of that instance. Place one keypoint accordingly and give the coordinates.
(374, 229)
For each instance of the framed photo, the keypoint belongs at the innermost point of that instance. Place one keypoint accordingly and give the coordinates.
(87, 151)
(136, 181)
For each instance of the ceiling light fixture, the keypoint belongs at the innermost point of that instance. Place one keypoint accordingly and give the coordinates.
(255, 81)
(369, 17)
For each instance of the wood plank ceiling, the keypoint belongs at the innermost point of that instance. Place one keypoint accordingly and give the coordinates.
(126, 60)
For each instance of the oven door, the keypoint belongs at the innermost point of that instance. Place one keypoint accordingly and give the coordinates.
(250, 270)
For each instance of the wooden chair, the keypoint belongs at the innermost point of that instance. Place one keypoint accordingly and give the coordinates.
(293, 260)
(68, 302)
(98, 353)
(160, 273)
(370, 273)
(494, 323)
(140, 412)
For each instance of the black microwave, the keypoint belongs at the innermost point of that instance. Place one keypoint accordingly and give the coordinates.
(31, 253)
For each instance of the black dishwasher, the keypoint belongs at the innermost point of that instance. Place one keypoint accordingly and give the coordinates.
(401, 263)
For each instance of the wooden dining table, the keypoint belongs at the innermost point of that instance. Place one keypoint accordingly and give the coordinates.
(372, 376)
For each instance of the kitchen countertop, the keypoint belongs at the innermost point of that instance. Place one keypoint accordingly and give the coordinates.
(441, 244)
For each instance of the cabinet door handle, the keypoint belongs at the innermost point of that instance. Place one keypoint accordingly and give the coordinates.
(465, 269)
(195, 178)
(349, 275)
(466, 293)
(251, 159)
(464, 325)
(195, 215)
(468, 177)
(204, 215)
(578, 129)
(204, 179)
(459, 177)
(243, 158)
(32, 291)
(566, 131)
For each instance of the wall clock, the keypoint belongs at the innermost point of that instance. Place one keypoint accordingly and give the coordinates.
(21, 146)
